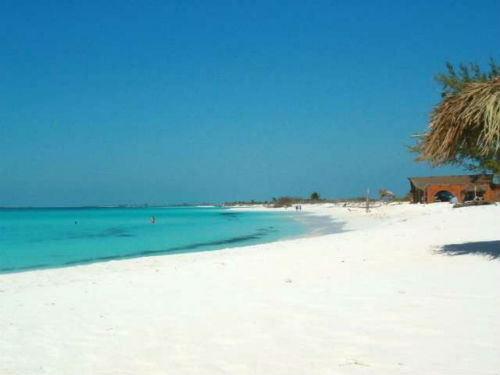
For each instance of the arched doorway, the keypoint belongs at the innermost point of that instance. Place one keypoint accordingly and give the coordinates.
(443, 196)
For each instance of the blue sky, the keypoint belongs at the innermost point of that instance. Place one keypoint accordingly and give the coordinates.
(193, 101)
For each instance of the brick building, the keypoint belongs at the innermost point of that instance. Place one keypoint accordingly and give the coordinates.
(463, 188)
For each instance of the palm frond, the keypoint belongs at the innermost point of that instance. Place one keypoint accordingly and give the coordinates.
(468, 120)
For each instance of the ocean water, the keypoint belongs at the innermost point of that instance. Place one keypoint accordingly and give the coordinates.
(45, 238)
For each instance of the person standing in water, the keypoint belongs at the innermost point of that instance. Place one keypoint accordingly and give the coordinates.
(152, 220)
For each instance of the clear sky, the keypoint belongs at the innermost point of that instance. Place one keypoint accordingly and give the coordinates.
(106, 102)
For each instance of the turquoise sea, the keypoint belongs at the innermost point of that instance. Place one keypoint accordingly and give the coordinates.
(57, 237)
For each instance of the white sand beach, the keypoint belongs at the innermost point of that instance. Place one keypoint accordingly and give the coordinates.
(378, 298)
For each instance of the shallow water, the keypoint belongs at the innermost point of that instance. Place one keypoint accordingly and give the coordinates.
(56, 237)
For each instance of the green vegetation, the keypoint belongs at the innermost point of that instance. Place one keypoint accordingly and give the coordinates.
(452, 82)
(285, 201)
(246, 203)
(315, 196)
(289, 201)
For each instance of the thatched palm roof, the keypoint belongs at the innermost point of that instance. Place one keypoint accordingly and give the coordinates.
(467, 120)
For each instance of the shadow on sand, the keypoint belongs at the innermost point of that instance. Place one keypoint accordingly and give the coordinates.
(490, 249)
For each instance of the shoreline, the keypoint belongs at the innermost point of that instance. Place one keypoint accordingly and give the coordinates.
(382, 296)
(317, 223)
(308, 226)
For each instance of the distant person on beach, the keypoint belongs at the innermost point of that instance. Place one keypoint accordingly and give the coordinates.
(152, 220)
